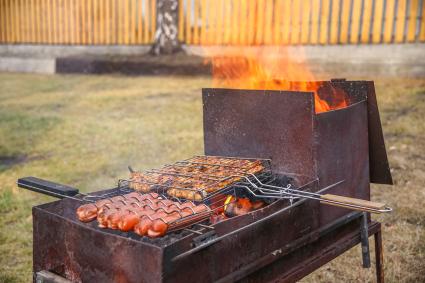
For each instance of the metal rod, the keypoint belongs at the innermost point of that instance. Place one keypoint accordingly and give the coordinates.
(364, 237)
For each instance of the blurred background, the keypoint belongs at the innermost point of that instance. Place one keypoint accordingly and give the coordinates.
(88, 87)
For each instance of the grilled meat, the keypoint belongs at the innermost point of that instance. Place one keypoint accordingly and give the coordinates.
(148, 214)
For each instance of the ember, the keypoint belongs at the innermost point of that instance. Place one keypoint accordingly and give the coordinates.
(273, 70)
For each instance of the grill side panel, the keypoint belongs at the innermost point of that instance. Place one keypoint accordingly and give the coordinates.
(82, 254)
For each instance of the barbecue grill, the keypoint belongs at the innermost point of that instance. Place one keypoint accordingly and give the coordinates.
(307, 160)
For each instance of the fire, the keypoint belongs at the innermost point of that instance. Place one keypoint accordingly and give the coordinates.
(271, 69)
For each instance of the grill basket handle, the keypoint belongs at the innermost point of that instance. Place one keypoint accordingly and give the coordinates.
(47, 187)
(355, 203)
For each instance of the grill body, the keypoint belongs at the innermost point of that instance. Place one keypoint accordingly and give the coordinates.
(319, 149)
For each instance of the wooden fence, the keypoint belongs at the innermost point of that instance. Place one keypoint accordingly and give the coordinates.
(258, 22)
(77, 22)
(214, 22)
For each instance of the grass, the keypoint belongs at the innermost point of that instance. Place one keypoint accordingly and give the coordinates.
(85, 130)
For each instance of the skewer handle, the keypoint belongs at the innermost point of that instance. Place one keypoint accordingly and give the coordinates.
(47, 187)
(354, 203)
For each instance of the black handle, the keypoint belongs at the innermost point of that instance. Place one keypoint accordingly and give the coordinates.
(46, 187)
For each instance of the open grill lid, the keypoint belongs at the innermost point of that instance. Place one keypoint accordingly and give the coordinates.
(233, 126)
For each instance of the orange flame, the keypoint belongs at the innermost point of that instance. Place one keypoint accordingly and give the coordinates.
(271, 69)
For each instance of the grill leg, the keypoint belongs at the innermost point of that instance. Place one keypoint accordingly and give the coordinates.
(365, 241)
(379, 257)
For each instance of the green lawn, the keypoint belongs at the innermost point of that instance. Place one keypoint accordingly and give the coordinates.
(85, 130)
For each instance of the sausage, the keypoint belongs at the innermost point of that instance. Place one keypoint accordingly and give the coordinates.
(130, 220)
(88, 212)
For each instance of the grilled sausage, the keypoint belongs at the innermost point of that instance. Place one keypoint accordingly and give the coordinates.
(88, 212)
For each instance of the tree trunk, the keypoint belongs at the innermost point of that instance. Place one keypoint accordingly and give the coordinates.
(166, 34)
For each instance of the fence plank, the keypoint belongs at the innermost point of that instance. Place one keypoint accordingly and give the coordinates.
(153, 21)
(6, 21)
(181, 20)
(252, 7)
(421, 35)
(389, 21)
(334, 21)
(2, 24)
(411, 25)
(244, 26)
(196, 11)
(366, 22)
(188, 22)
(235, 23)
(315, 22)
(400, 21)
(345, 22)
(294, 34)
(227, 28)
(268, 24)
(378, 19)
(218, 22)
(324, 22)
(286, 24)
(355, 21)
(204, 9)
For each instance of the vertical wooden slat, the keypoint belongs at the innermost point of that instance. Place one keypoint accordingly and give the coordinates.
(286, 24)
(400, 22)
(3, 21)
(196, 22)
(355, 21)
(77, 23)
(268, 24)
(153, 20)
(24, 23)
(315, 24)
(188, 22)
(305, 21)
(6, 21)
(90, 22)
(101, 21)
(378, 21)
(146, 21)
(227, 12)
(324, 22)
(367, 17)
(17, 21)
(243, 26)
(96, 22)
(2, 25)
(295, 23)
(132, 21)
(234, 22)
(252, 20)
(219, 21)
(277, 10)
(259, 28)
(9, 22)
(73, 22)
(48, 15)
(83, 22)
(345, 21)
(204, 9)
(335, 24)
(31, 19)
(411, 25)
(68, 25)
(126, 21)
(61, 26)
(421, 36)
(181, 19)
(120, 13)
(140, 22)
(389, 21)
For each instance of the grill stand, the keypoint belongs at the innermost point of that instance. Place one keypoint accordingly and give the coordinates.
(303, 256)
(309, 253)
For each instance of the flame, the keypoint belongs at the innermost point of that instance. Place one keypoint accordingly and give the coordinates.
(270, 69)
(227, 201)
